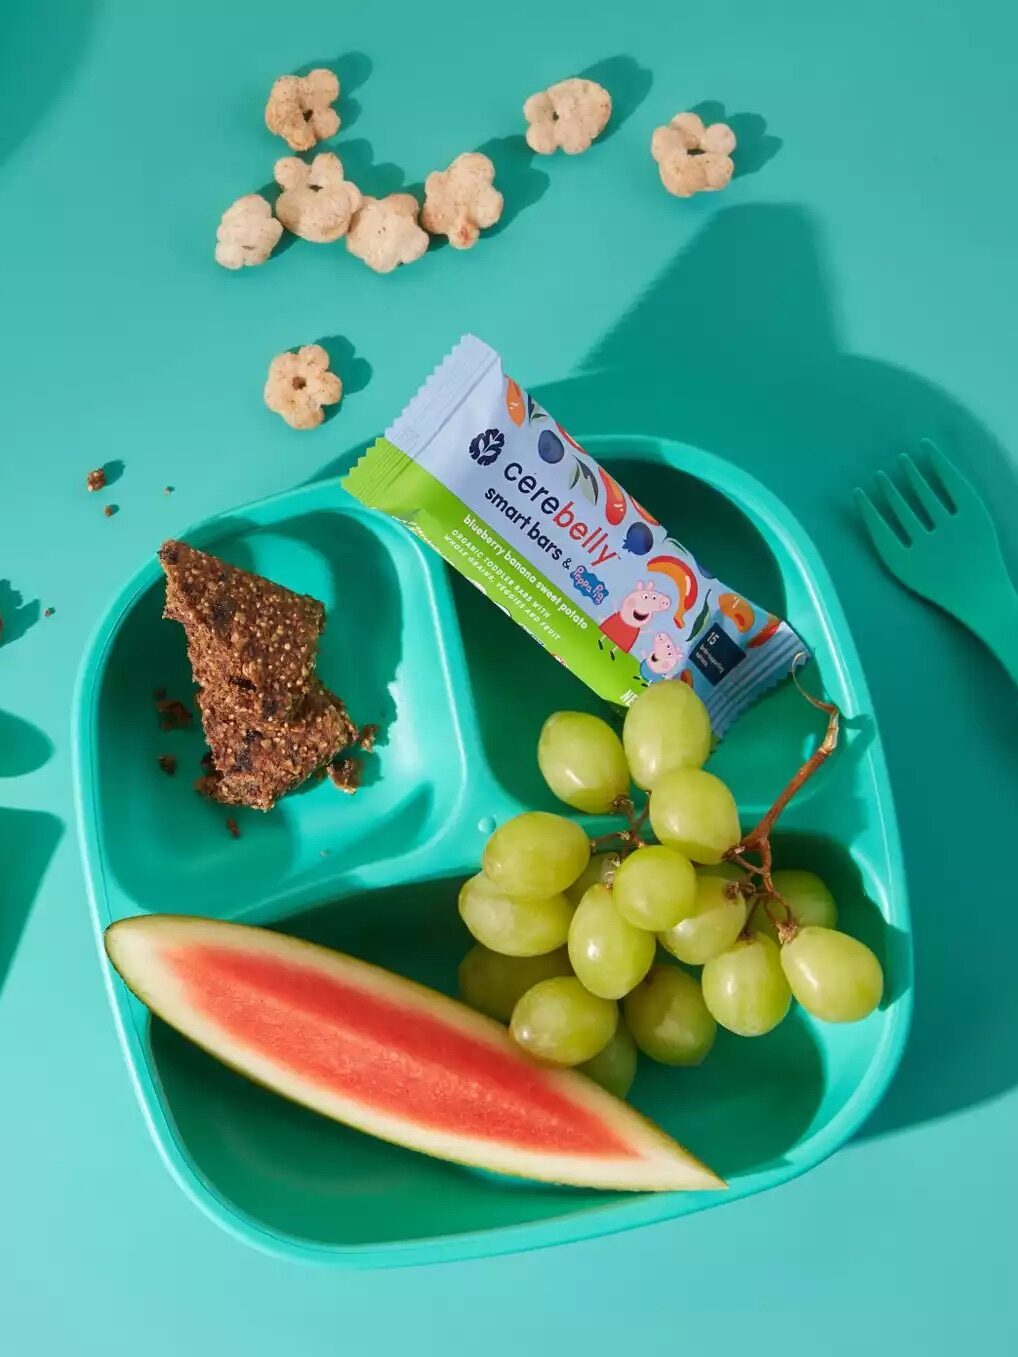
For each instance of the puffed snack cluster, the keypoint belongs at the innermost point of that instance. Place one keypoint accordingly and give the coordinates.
(317, 202)
(462, 201)
(300, 109)
(300, 384)
(568, 116)
(692, 158)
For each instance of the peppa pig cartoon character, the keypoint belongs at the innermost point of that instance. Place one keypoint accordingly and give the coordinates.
(663, 658)
(637, 611)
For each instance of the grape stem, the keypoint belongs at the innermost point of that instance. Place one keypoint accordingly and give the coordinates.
(630, 839)
(623, 805)
(758, 841)
(630, 836)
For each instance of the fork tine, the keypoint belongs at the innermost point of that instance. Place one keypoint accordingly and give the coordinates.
(921, 488)
(899, 506)
(886, 541)
(950, 477)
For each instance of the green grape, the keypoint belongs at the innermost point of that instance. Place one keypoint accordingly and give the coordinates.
(666, 727)
(745, 987)
(760, 922)
(493, 983)
(608, 954)
(560, 1021)
(834, 977)
(668, 1017)
(726, 871)
(536, 854)
(600, 866)
(695, 813)
(654, 888)
(614, 1067)
(582, 761)
(717, 919)
(513, 925)
(806, 896)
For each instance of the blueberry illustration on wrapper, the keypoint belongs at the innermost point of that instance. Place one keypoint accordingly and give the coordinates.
(549, 447)
(639, 539)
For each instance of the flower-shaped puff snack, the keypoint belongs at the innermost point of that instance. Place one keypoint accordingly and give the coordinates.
(460, 201)
(247, 233)
(567, 115)
(692, 158)
(299, 384)
(317, 203)
(300, 109)
(384, 232)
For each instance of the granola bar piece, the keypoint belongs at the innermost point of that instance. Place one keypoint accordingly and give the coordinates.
(248, 638)
(254, 764)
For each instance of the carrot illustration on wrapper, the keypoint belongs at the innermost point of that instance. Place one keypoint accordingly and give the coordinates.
(514, 402)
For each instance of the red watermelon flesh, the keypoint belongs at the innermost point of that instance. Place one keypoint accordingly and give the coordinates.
(388, 1056)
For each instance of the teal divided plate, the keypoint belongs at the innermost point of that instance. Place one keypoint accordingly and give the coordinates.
(460, 694)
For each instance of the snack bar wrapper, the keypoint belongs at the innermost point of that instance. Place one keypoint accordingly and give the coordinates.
(483, 474)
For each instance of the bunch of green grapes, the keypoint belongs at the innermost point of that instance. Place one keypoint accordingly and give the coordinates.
(565, 933)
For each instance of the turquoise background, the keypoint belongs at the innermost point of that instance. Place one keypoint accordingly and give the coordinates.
(853, 289)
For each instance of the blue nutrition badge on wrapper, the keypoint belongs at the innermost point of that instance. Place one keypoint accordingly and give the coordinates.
(717, 655)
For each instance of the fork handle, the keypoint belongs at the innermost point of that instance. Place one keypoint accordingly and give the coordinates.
(1000, 633)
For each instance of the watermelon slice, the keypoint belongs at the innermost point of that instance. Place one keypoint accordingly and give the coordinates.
(388, 1056)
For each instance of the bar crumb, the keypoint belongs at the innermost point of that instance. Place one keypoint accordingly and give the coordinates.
(345, 774)
(168, 763)
(96, 480)
(366, 737)
(173, 715)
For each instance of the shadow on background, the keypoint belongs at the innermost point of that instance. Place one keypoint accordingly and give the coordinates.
(113, 470)
(16, 616)
(734, 348)
(373, 179)
(628, 83)
(516, 177)
(28, 840)
(23, 747)
(354, 372)
(754, 146)
(35, 74)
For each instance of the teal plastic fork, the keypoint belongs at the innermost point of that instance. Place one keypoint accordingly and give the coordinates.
(952, 557)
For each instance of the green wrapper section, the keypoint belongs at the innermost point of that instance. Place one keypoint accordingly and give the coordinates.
(386, 478)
